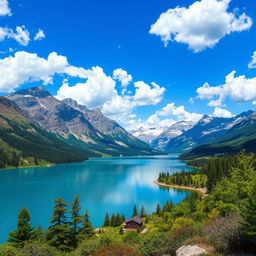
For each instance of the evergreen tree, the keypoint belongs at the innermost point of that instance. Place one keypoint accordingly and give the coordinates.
(106, 221)
(58, 234)
(76, 220)
(24, 231)
(249, 215)
(158, 210)
(135, 211)
(112, 221)
(142, 212)
(87, 229)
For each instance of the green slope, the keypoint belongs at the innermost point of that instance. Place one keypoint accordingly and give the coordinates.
(240, 137)
(21, 139)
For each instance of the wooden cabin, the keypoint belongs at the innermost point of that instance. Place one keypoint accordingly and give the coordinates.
(133, 223)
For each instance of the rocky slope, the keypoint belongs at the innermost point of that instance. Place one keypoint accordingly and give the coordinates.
(207, 129)
(83, 128)
(173, 131)
(21, 138)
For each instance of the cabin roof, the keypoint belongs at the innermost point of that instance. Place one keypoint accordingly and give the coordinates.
(136, 219)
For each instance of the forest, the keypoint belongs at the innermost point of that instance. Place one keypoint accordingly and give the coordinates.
(224, 220)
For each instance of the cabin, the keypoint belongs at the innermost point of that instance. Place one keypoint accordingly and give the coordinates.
(133, 223)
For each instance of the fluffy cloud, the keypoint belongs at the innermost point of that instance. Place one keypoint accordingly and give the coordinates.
(122, 76)
(148, 95)
(252, 63)
(220, 112)
(179, 112)
(21, 34)
(98, 89)
(201, 25)
(40, 35)
(239, 89)
(25, 67)
(4, 8)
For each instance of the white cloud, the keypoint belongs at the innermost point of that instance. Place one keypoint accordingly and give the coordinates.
(179, 112)
(4, 8)
(21, 34)
(25, 67)
(201, 25)
(98, 88)
(122, 76)
(40, 35)
(148, 95)
(252, 63)
(220, 112)
(239, 89)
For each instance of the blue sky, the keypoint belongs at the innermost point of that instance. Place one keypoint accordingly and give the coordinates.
(116, 34)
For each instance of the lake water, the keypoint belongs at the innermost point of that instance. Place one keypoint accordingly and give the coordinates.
(111, 185)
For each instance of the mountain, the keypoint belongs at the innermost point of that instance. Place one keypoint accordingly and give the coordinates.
(21, 139)
(88, 130)
(207, 129)
(147, 134)
(173, 131)
(240, 136)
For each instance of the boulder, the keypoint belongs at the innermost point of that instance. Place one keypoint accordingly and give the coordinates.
(190, 250)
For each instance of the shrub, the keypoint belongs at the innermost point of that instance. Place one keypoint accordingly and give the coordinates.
(154, 244)
(39, 249)
(131, 237)
(177, 238)
(7, 250)
(87, 248)
(182, 222)
(224, 232)
(117, 249)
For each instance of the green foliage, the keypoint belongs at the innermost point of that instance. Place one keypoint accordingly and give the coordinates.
(135, 211)
(106, 221)
(8, 250)
(59, 233)
(24, 231)
(87, 228)
(142, 212)
(154, 244)
(131, 237)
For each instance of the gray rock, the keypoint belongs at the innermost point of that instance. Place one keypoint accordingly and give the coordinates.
(190, 250)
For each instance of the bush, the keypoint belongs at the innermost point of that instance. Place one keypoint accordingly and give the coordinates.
(39, 249)
(87, 248)
(7, 250)
(224, 233)
(154, 244)
(131, 237)
(117, 249)
(177, 238)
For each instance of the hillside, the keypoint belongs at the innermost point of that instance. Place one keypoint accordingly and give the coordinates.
(241, 136)
(20, 139)
(88, 130)
(207, 129)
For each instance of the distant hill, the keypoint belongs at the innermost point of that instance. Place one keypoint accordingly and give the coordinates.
(21, 138)
(240, 136)
(207, 129)
(173, 131)
(86, 129)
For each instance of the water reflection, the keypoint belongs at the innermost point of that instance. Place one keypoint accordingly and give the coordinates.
(106, 184)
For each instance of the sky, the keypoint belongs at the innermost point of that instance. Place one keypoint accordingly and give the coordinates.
(146, 63)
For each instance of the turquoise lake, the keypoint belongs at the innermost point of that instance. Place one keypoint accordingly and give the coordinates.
(112, 185)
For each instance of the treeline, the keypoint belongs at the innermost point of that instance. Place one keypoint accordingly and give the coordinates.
(195, 178)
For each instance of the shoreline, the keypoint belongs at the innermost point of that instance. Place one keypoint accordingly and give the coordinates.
(201, 191)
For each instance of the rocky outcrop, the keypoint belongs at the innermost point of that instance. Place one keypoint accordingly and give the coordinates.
(190, 250)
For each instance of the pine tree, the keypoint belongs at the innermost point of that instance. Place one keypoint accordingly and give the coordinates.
(24, 231)
(76, 220)
(249, 215)
(106, 221)
(158, 210)
(58, 234)
(142, 212)
(135, 211)
(87, 229)
(112, 221)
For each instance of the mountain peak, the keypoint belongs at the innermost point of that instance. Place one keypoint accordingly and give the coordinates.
(38, 91)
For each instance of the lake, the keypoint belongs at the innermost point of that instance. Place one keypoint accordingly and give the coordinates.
(112, 185)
